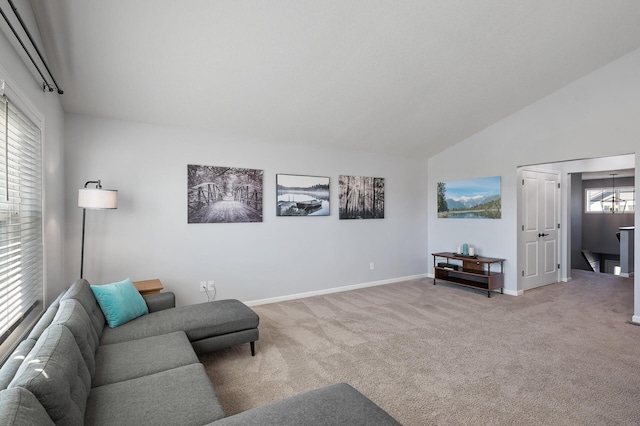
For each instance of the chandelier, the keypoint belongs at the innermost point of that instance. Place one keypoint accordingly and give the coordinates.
(611, 203)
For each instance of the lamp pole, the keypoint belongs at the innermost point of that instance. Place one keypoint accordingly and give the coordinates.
(97, 198)
(84, 216)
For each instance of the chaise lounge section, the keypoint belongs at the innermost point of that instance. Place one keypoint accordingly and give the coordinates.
(74, 369)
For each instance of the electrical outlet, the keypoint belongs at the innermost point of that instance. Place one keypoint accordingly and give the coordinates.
(203, 286)
(372, 266)
(210, 285)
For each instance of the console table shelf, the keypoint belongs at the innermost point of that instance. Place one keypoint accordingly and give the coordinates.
(474, 272)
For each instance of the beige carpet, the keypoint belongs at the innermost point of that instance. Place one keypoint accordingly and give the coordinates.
(563, 354)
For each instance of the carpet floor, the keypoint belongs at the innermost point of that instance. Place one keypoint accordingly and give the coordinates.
(562, 354)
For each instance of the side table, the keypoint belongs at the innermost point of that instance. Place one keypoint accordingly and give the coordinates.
(149, 286)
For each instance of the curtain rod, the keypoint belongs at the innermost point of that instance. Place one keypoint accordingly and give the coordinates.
(45, 84)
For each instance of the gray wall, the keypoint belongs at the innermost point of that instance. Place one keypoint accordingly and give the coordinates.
(148, 235)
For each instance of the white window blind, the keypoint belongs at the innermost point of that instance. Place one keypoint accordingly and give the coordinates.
(21, 252)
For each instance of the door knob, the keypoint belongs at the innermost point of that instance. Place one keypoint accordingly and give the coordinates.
(542, 235)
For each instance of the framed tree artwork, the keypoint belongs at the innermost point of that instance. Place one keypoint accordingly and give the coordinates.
(223, 194)
(361, 197)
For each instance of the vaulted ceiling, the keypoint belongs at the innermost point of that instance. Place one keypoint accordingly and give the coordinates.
(405, 77)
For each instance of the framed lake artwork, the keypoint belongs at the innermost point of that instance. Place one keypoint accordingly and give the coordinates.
(361, 197)
(223, 194)
(470, 199)
(300, 195)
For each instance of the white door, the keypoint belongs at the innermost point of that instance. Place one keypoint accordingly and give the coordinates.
(540, 228)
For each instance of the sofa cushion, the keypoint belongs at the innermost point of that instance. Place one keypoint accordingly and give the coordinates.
(120, 302)
(10, 367)
(198, 321)
(81, 291)
(13, 363)
(128, 360)
(72, 315)
(181, 396)
(160, 301)
(45, 319)
(338, 404)
(18, 407)
(55, 373)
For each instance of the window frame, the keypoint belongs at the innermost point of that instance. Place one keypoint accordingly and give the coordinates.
(616, 194)
(21, 102)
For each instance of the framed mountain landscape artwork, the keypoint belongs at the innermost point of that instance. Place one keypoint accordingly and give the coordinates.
(470, 199)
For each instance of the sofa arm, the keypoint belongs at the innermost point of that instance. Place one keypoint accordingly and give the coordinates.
(160, 301)
(338, 404)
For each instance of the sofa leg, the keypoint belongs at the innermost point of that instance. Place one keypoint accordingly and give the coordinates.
(253, 348)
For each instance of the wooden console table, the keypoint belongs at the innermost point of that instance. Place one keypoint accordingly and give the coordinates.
(149, 286)
(474, 272)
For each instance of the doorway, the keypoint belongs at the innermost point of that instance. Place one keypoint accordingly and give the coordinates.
(530, 266)
(597, 223)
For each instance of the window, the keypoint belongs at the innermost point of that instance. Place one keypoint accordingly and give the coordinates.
(602, 200)
(21, 241)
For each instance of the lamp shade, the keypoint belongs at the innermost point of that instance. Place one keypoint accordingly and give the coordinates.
(98, 199)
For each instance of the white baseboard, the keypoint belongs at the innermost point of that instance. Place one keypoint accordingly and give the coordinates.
(332, 290)
(635, 319)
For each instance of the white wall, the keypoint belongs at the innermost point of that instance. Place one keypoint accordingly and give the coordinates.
(148, 235)
(594, 116)
(47, 106)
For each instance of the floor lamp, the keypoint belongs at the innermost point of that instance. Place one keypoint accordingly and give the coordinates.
(94, 199)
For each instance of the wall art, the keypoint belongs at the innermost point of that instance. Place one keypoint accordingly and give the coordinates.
(299, 195)
(471, 199)
(223, 194)
(361, 197)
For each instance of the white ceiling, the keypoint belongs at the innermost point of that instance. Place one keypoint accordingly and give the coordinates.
(405, 77)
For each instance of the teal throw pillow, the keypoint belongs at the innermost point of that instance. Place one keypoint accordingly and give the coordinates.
(120, 302)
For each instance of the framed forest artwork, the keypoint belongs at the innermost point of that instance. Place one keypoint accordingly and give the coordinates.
(298, 195)
(223, 194)
(361, 197)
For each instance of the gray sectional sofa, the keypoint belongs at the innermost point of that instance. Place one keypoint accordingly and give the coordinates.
(73, 369)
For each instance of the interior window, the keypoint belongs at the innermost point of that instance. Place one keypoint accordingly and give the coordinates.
(608, 200)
